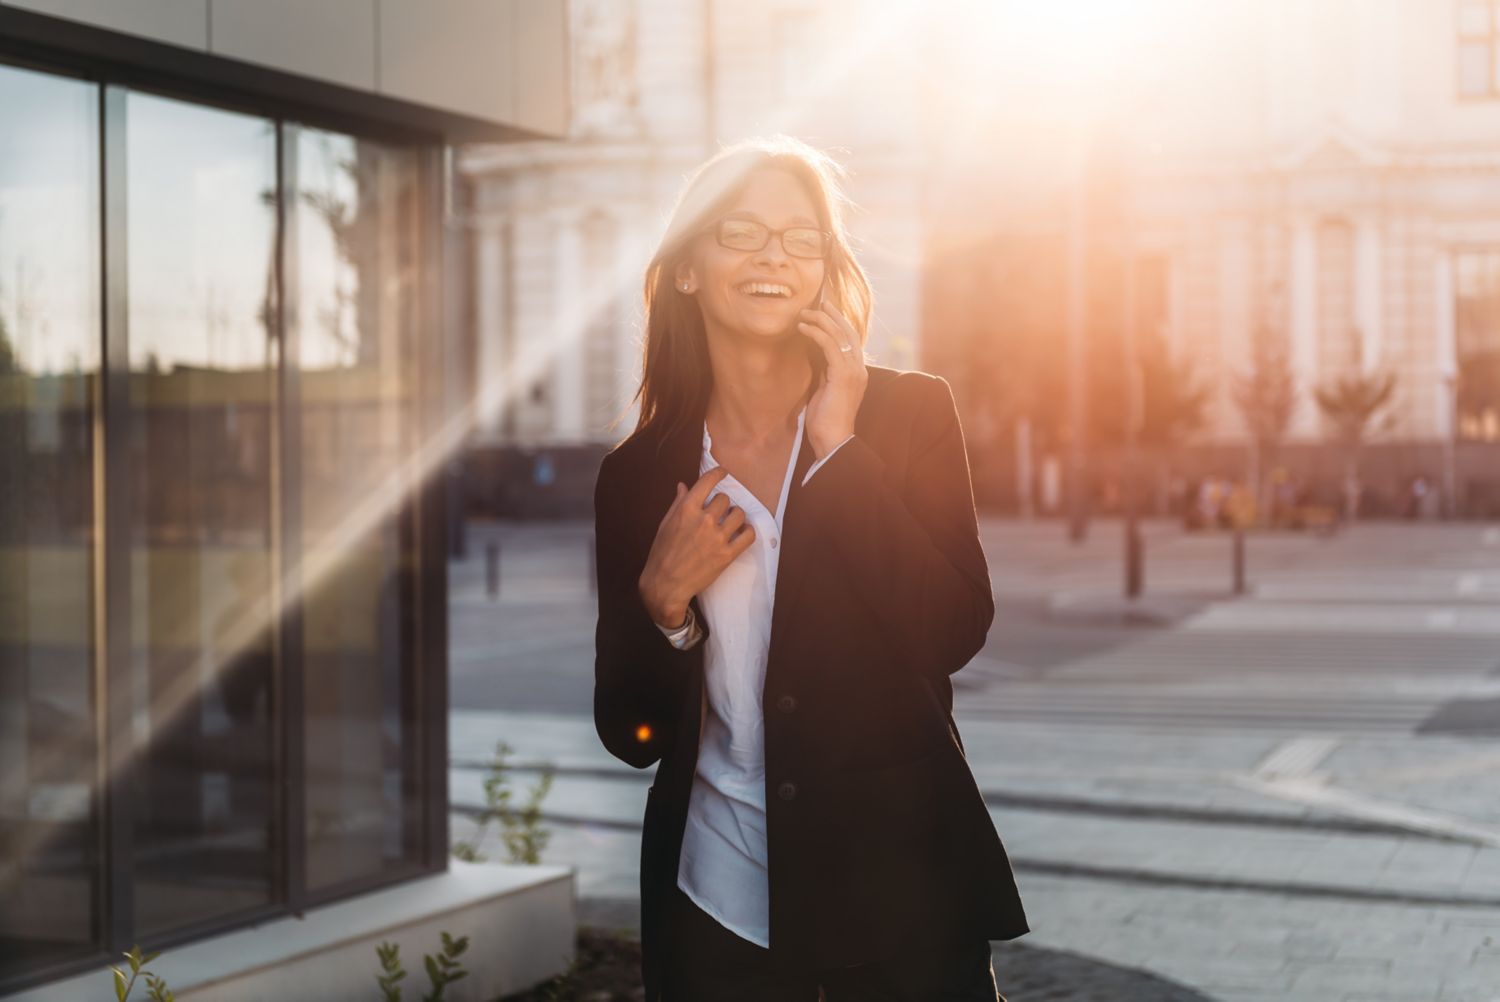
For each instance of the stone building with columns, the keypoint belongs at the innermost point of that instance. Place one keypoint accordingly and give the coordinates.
(560, 231)
(1324, 175)
(1352, 208)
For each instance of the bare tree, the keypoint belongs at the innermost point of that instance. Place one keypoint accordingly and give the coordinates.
(9, 360)
(1267, 398)
(1351, 403)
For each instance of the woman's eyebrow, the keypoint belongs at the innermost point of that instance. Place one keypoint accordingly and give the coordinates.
(747, 214)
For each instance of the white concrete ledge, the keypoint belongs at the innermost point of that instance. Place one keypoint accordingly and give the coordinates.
(521, 922)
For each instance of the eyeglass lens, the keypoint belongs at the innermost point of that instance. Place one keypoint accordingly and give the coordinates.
(748, 235)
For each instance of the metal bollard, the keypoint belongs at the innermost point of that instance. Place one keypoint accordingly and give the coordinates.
(1239, 560)
(492, 568)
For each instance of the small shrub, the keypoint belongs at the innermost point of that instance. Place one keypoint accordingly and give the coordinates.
(390, 965)
(443, 969)
(521, 830)
(156, 988)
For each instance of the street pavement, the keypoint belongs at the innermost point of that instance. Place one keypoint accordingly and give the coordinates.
(1292, 793)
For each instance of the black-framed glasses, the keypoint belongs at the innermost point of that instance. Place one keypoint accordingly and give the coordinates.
(748, 235)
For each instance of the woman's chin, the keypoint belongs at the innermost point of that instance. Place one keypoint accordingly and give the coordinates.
(763, 329)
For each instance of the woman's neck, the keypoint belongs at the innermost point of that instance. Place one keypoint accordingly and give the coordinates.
(757, 392)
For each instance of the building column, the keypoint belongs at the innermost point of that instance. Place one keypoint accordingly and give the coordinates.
(1367, 294)
(1445, 345)
(489, 330)
(567, 335)
(1303, 284)
(635, 251)
(1177, 304)
(1236, 310)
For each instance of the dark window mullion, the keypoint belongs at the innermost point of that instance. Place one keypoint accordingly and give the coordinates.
(120, 751)
(288, 474)
(431, 512)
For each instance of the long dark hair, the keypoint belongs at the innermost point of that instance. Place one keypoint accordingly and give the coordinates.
(676, 376)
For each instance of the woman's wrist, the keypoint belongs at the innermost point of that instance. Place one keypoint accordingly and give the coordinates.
(822, 449)
(664, 611)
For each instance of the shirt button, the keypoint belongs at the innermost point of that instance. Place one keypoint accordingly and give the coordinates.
(773, 542)
(786, 791)
(786, 704)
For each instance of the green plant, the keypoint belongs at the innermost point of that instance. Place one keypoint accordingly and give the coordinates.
(390, 964)
(443, 969)
(156, 988)
(521, 828)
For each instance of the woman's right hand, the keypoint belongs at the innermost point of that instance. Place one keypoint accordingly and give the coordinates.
(693, 545)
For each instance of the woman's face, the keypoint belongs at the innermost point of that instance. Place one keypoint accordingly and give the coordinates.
(720, 278)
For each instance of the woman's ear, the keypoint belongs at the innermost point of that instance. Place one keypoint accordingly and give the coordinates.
(683, 278)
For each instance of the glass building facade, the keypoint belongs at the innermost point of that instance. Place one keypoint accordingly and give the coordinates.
(222, 640)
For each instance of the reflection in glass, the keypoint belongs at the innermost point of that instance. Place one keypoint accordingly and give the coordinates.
(201, 212)
(49, 367)
(356, 247)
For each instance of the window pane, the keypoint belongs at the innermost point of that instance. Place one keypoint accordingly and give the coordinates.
(201, 212)
(1477, 330)
(49, 367)
(356, 271)
(1474, 18)
(1474, 68)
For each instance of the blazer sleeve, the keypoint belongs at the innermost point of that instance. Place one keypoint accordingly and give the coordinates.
(911, 550)
(638, 674)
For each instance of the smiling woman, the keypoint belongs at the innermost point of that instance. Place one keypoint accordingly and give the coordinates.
(792, 527)
(677, 319)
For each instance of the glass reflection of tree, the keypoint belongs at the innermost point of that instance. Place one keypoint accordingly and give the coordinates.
(47, 749)
(350, 229)
(10, 362)
(354, 423)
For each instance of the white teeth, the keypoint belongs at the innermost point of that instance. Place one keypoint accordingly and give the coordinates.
(766, 288)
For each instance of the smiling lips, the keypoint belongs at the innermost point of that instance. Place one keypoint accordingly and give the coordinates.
(766, 290)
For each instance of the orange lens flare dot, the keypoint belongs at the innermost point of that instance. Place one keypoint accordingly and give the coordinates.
(643, 733)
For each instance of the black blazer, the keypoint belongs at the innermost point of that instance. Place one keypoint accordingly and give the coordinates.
(878, 837)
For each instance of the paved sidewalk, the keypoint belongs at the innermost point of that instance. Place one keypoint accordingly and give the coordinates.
(1232, 891)
(1292, 794)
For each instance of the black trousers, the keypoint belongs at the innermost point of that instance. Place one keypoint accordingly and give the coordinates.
(707, 963)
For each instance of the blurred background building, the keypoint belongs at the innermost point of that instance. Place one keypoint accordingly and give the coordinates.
(1317, 179)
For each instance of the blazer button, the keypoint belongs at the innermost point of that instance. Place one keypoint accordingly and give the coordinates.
(786, 791)
(786, 704)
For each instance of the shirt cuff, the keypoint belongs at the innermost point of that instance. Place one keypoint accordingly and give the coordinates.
(814, 468)
(686, 635)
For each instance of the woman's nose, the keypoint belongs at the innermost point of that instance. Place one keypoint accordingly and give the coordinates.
(773, 252)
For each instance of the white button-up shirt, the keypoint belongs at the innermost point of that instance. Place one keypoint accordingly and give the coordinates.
(723, 863)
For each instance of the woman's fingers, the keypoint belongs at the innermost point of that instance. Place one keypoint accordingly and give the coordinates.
(740, 541)
(706, 483)
(822, 327)
(717, 507)
(733, 519)
(850, 335)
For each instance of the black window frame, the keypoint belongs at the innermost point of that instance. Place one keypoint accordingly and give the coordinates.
(116, 64)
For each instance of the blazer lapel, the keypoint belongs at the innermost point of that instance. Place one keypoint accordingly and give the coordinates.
(791, 566)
